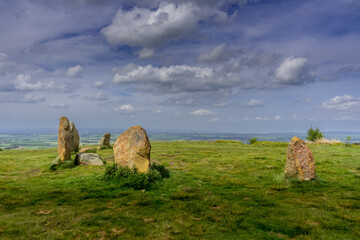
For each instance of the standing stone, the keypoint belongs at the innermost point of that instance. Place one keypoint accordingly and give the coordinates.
(64, 140)
(132, 148)
(74, 138)
(300, 160)
(105, 140)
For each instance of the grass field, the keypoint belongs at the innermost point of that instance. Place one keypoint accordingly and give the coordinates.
(217, 190)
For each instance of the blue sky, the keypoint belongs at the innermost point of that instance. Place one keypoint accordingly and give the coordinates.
(224, 66)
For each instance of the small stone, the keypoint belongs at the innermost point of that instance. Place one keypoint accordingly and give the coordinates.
(82, 150)
(105, 140)
(146, 220)
(132, 148)
(44, 212)
(300, 162)
(118, 231)
(91, 159)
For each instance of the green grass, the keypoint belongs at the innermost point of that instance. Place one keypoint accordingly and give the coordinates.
(217, 190)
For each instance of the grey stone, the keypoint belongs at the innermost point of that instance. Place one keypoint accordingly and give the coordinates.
(91, 159)
(105, 140)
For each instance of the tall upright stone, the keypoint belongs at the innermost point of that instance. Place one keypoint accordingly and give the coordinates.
(74, 138)
(64, 140)
(132, 148)
(300, 162)
(105, 140)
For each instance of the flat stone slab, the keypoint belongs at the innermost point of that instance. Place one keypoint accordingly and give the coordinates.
(91, 159)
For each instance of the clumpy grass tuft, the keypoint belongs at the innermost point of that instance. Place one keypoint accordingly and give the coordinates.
(280, 182)
(131, 178)
(165, 173)
(58, 164)
(253, 140)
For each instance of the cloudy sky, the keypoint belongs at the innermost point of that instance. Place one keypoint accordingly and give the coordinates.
(225, 66)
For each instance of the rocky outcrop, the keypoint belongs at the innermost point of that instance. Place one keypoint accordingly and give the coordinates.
(132, 148)
(300, 162)
(91, 159)
(64, 139)
(74, 138)
(105, 140)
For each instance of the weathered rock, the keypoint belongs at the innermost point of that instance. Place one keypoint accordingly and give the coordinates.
(91, 159)
(300, 160)
(64, 141)
(105, 140)
(82, 150)
(132, 148)
(74, 137)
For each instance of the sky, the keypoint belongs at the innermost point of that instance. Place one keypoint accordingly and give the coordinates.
(237, 66)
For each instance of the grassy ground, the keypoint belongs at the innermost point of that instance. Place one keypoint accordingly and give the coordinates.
(217, 190)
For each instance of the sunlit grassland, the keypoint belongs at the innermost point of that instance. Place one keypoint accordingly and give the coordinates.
(217, 190)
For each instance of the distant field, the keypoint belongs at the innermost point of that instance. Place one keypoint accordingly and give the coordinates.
(217, 190)
(37, 141)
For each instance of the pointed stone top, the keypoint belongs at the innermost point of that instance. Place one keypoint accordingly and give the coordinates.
(296, 139)
(136, 127)
(64, 123)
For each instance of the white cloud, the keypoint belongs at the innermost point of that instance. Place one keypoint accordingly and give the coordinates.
(126, 108)
(23, 83)
(57, 73)
(98, 84)
(346, 118)
(221, 104)
(295, 117)
(202, 112)
(261, 118)
(345, 103)
(99, 96)
(212, 55)
(75, 71)
(178, 78)
(30, 98)
(58, 106)
(256, 118)
(153, 28)
(146, 53)
(294, 71)
(254, 103)
(158, 111)
(278, 117)
(3, 56)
